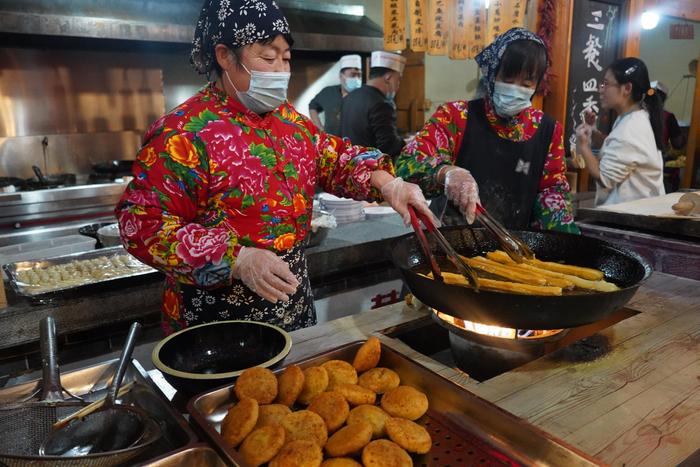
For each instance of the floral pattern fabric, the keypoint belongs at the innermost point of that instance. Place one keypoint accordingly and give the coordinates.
(212, 176)
(235, 23)
(439, 141)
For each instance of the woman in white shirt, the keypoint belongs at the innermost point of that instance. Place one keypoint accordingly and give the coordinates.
(630, 165)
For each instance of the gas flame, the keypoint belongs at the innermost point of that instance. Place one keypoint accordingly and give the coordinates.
(495, 331)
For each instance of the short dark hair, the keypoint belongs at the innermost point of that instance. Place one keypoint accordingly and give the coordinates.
(632, 70)
(377, 71)
(237, 52)
(524, 57)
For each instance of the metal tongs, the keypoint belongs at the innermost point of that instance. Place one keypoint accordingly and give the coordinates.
(452, 255)
(516, 248)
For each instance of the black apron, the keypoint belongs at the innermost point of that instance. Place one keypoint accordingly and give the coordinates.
(239, 302)
(508, 172)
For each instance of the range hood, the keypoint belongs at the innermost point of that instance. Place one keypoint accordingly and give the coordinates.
(315, 25)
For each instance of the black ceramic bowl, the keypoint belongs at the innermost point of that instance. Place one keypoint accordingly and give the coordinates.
(205, 356)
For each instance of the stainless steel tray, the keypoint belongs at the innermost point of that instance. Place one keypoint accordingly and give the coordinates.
(91, 384)
(466, 430)
(198, 455)
(13, 269)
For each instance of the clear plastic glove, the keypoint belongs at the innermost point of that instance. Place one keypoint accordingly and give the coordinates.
(462, 190)
(399, 194)
(265, 273)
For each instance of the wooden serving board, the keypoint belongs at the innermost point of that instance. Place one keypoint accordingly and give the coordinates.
(650, 214)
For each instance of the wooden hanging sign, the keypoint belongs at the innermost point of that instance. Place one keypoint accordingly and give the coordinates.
(459, 35)
(438, 27)
(476, 14)
(394, 25)
(418, 14)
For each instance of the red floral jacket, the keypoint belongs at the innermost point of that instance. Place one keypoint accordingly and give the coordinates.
(440, 139)
(212, 176)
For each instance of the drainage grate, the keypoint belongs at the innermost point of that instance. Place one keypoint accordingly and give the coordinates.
(455, 447)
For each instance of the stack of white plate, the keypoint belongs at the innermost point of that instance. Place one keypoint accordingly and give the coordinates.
(379, 211)
(343, 209)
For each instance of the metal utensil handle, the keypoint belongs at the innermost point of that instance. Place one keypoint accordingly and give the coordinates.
(425, 246)
(51, 391)
(39, 174)
(124, 360)
(455, 259)
(516, 248)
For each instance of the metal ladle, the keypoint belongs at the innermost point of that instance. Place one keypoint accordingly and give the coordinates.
(112, 428)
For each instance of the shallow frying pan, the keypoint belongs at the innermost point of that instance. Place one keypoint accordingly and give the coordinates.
(625, 268)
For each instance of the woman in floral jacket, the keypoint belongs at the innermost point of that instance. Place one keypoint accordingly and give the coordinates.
(223, 185)
(513, 151)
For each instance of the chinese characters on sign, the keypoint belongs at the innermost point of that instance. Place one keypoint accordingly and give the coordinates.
(419, 27)
(593, 47)
(477, 27)
(496, 24)
(458, 42)
(681, 31)
(517, 13)
(394, 24)
(437, 34)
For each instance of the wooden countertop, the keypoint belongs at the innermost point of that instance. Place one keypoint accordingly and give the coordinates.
(637, 405)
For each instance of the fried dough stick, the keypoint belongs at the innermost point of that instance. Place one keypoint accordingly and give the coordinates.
(500, 286)
(599, 286)
(513, 274)
(580, 271)
(501, 270)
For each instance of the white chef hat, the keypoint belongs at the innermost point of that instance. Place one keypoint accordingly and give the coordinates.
(350, 61)
(390, 60)
(658, 85)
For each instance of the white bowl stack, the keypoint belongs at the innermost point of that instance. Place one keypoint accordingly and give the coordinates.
(343, 209)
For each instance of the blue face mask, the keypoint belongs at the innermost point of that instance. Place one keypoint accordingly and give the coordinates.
(511, 99)
(352, 83)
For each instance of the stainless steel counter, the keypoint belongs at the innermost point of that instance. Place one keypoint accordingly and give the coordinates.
(41, 214)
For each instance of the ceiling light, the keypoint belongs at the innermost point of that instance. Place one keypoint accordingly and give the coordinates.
(650, 19)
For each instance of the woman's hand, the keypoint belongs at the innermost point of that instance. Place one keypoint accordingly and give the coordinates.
(462, 190)
(265, 273)
(583, 135)
(589, 117)
(399, 194)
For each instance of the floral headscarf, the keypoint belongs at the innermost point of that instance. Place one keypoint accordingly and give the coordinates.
(235, 23)
(490, 58)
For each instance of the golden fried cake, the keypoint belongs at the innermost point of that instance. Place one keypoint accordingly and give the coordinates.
(405, 402)
(298, 453)
(349, 440)
(367, 356)
(409, 435)
(379, 379)
(315, 382)
(341, 462)
(332, 407)
(371, 414)
(305, 424)
(339, 372)
(272, 414)
(239, 421)
(356, 394)
(289, 384)
(257, 383)
(385, 453)
(262, 444)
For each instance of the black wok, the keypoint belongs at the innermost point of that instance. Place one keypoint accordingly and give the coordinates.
(114, 167)
(625, 268)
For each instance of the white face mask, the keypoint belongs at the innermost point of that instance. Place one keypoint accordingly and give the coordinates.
(266, 92)
(352, 83)
(511, 99)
